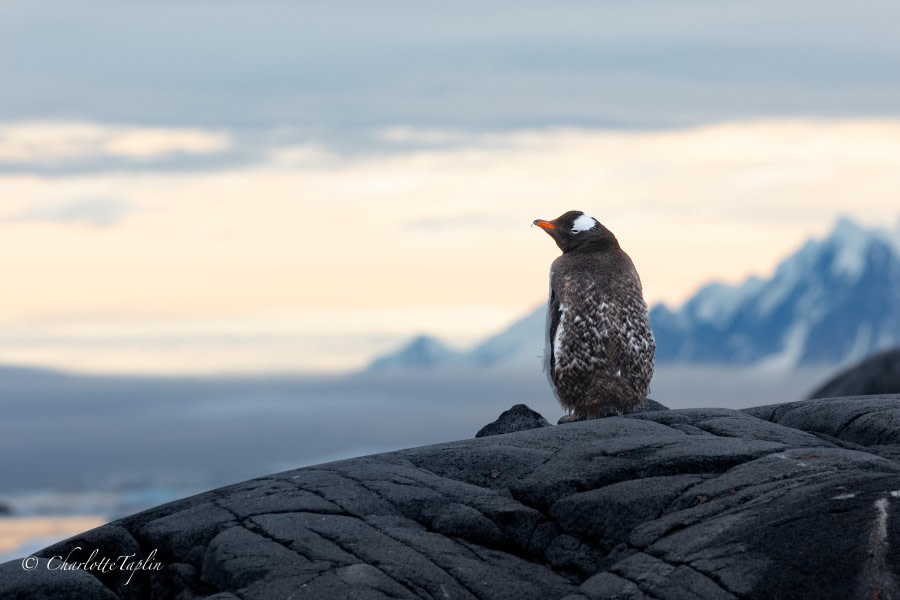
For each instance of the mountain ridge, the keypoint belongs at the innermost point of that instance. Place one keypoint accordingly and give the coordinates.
(832, 301)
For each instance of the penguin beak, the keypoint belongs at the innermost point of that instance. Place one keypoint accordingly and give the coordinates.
(546, 225)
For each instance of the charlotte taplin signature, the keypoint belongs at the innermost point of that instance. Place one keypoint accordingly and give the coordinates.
(95, 562)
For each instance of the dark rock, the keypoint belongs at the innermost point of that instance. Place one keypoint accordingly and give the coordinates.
(5, 509)
(864, 420)
(47, 582)
(649, 405)
(879, 374)
(115, 542)
(517, 418)
(794, 501)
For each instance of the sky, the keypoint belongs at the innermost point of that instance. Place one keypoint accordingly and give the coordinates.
(230, 187)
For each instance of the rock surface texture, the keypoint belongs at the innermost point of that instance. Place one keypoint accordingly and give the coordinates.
(792, 501)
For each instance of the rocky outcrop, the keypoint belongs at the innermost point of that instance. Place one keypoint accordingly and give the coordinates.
(795, 501)
(878, 374)
(517, 418)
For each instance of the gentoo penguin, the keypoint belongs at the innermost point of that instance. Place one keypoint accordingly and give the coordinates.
(599, 346)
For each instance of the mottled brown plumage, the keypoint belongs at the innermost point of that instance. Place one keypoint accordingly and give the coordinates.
(599, 346)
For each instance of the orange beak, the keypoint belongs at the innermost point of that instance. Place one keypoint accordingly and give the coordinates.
(544, 224)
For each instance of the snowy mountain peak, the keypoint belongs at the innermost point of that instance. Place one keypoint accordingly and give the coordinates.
(422, 351)
(834, 300)
(716, 302)
(847, 227)
(843, 255)
(851, 243)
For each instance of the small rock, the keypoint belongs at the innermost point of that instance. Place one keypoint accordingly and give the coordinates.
(649, 405)
(879, 374)
(517, 418)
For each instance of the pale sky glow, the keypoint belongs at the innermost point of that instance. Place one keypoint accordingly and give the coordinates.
(48, 142)
(306, 246)
(208, 187)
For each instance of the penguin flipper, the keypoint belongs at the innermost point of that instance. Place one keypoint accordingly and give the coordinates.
(553, 318)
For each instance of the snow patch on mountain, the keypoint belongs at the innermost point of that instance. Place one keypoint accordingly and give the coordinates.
(717, 302)
(851, 241)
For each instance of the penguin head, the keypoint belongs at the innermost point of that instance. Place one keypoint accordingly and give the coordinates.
(575, 231)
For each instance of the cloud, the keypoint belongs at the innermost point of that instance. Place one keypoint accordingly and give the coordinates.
(449, 64)
(404, 134)
(97, 213)
(299, 156)
(427, 226)
(54, 143)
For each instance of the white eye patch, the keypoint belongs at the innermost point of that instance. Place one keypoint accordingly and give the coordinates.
(583, 223)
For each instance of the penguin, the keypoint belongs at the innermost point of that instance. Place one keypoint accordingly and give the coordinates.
(599, 347)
